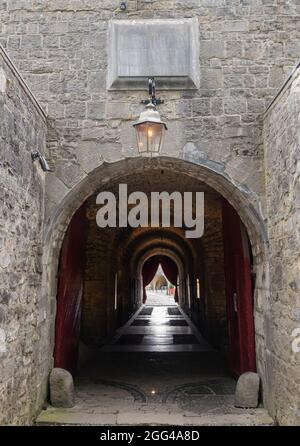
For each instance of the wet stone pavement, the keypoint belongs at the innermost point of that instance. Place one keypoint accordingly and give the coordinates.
(157, 370)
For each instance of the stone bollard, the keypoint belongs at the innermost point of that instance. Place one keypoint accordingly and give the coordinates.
(61, 388)
(247, 390)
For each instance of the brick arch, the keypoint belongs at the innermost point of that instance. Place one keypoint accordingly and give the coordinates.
(145, 243)
(136, 242)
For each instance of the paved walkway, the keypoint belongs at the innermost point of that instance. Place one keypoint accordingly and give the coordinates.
(158, 370)
(159, 329)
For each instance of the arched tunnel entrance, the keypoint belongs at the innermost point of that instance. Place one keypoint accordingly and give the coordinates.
(101, 299)
(160, 270)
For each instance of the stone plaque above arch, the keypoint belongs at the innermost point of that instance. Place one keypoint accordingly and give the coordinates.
(167, 49)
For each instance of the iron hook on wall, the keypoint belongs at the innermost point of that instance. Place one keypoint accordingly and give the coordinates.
(152, 94)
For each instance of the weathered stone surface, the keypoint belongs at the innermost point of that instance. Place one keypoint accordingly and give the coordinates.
(3, 81)
(282, 149)
(61, 388)
(96, 110)
(23, 367)
(247, 390)
(164, 48)
(70, 79)
(212, 49)
(246, 52)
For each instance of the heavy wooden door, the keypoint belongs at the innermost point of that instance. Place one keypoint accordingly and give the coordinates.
(69, 294)
(239, 293)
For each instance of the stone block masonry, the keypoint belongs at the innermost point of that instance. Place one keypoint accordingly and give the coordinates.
(22, 351)
(246, 49)
(166, 48)
(61, 49)
(282, 163)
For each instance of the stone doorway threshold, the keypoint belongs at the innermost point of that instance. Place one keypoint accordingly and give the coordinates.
(153, 397)
(134, 414)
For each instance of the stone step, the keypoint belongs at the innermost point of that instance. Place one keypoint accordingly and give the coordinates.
(158, 415)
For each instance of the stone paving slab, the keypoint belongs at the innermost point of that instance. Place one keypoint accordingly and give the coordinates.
(156, 417)
(52, 417)
(140, 418)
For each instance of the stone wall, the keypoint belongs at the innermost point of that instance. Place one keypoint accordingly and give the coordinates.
(246, 50)
(247, 47)
(282, 163)
(98, 318)
(24, 361)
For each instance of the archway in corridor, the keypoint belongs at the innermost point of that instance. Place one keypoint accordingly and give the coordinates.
(161, 270)
(210, 269)
(102, 273)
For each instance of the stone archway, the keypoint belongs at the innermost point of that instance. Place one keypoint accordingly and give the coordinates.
(241, 199)
(164, 252)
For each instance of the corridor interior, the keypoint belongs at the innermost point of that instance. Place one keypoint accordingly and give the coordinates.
(159, 326)
(154, 359)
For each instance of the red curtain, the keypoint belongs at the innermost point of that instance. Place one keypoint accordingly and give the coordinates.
(171, 272)
(69, 295)
(149, 270)
(150, 267)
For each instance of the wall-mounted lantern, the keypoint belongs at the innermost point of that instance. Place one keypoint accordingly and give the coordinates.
(149, 128)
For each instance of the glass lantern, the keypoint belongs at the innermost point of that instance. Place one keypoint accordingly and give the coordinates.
(149, 131)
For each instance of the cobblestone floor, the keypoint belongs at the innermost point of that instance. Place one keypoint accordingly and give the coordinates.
(154, 380)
